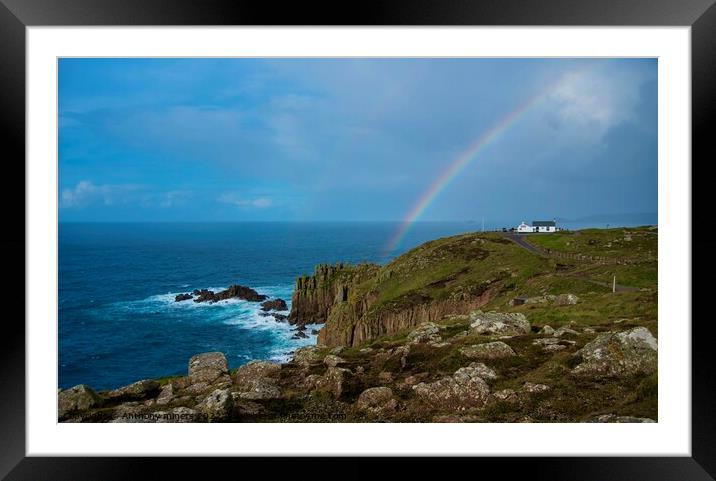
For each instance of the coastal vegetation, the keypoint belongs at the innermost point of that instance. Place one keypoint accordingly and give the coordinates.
(469, 328)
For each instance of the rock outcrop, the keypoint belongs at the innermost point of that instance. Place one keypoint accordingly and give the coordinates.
(618, 354)
(377, 401)
(274, 305)
(138, 390)
(463, 390)
(233, 292)
(77, 398)
(208, 368)
(258, 380)
(314, 296)
(499, 323)
(488, 350)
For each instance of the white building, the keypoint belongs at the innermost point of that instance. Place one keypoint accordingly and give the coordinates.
(524, 228)
(537, 226)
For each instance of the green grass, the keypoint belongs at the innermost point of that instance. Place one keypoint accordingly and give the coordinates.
(633, 243)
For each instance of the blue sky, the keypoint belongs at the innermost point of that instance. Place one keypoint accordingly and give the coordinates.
(353, 139)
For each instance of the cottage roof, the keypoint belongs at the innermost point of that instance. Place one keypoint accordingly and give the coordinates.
(543, 223)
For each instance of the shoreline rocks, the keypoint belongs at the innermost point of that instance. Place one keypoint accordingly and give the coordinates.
(274, 305)
(234, 291)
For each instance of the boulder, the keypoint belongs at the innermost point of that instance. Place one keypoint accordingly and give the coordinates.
(532, 388)
(483, 371)
(618, 354)
(262, 388)
(546, 299)
(333, 381)
(274, 305)
(306, 356)
(333, 361)
(565, 300)
(139, 390)
(166, 395)
(489, 350)
(208, 368)
(300, 335)
(499, 323)
(254, 370)
(258, 380)
(76, 398)
(425, 332)
(465, 389)
(508, 395)
(182, 297)
(376, 401)
(547, 330)
(217, 406)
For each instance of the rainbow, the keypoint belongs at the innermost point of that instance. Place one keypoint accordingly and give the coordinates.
(463, 160)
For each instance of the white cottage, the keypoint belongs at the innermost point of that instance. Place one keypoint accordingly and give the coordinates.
(544, 226)
(537, 226)
(524, 228)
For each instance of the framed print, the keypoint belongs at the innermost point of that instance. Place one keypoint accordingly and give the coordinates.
(419, 231)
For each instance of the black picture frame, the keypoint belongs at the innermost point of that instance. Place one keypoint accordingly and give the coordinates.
(16, 15)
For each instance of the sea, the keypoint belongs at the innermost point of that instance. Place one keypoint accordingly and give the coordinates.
(117, 318)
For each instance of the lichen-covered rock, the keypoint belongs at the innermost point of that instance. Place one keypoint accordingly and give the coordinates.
(377, 400)
(254, 370)
(508, 395)
(135, 391)
(332, 381)
(532, 388)
(488, 350)
(425, 332)
(547, 330)
(208, 368)
(618, 354)
(566, 300)
(485, 372)
(613, 418)
(463, 390)
(76, 398)
(261, 388)
(306, 356)
(333, 361)
(166, 395)
(217, 406)
(546, 299)
(499, 323)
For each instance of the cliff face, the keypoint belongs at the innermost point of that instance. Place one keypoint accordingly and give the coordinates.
(351, 324)
(449, 276)
(314, 296)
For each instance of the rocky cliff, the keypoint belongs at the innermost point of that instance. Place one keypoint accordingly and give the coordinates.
(314, 296)
(448, 276)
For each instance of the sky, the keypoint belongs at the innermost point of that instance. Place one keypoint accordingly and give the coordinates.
(157, 140)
